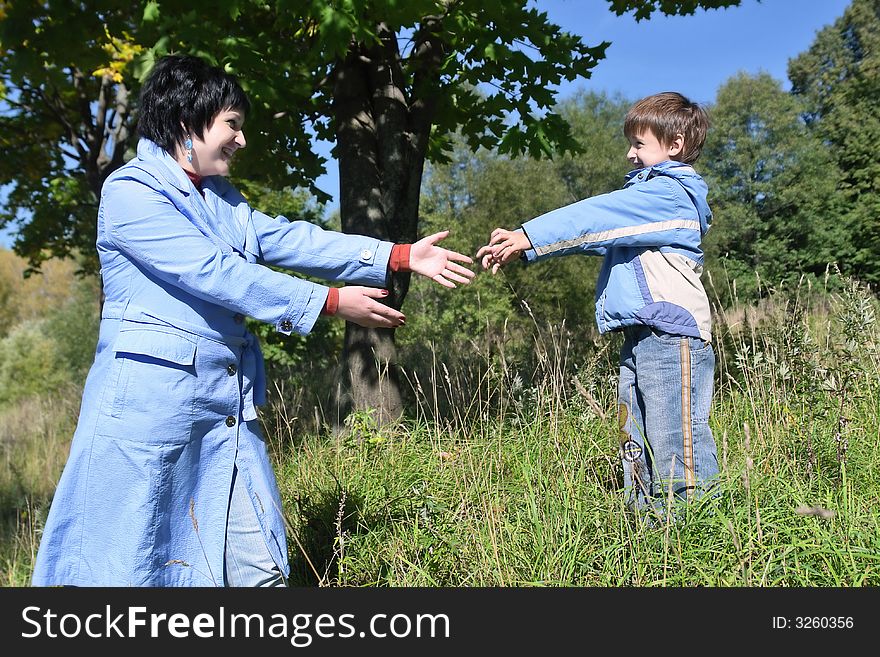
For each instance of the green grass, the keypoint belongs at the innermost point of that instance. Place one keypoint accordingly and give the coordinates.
(505, 479)
(541, 506)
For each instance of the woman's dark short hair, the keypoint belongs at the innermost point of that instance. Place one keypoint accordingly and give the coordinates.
(183, 94)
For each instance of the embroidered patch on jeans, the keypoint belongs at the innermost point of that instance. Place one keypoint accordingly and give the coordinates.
(622, 415)
(632, 451)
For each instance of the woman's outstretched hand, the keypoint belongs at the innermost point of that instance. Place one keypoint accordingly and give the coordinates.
(358, 304)
(439, 264)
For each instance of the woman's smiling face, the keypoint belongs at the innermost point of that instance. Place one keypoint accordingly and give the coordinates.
(212, 154)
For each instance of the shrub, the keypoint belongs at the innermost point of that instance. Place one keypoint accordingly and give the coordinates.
(29, 360)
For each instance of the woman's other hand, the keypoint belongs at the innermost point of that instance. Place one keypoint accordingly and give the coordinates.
(358, 304)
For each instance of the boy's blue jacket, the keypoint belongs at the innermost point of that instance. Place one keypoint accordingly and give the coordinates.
(649, 232)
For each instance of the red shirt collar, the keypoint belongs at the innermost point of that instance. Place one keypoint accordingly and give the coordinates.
(196, 179)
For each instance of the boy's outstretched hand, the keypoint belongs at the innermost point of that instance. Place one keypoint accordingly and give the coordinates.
(439, 264)
(504, 245)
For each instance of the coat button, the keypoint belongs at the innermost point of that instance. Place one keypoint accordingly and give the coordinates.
(232, 369)
(238, 318)
(366, 254)
(230, 421)
(286, 325)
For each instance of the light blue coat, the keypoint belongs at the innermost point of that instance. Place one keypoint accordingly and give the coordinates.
(169, 403)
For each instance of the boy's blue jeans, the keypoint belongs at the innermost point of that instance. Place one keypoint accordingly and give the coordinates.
(664, 396)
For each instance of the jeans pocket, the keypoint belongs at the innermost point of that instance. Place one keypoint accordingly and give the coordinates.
(699, 345)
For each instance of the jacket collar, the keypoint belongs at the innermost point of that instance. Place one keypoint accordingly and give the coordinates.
(686, 176)
(668, 167)
(151, 152)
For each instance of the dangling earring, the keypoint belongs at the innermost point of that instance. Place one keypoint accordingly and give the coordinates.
(188, 145)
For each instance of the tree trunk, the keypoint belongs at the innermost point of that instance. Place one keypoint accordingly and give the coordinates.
(381, 141)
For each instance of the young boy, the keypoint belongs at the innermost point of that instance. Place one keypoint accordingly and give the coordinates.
(649, 287)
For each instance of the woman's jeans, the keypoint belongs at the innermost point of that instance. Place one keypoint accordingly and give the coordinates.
(664, 396)
(248, 561)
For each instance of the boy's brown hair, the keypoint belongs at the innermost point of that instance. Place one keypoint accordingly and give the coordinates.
(666, 115)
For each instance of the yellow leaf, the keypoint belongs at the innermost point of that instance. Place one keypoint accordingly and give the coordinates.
(121, 52)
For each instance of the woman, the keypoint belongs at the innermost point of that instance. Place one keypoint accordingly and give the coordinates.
(168, 482)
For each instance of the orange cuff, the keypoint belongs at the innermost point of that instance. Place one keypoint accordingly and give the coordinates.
(399, 260)
(331, 305)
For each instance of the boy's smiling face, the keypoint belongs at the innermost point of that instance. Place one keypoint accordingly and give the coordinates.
(646, 150)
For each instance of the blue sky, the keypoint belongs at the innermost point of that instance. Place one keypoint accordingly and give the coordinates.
(694, 55)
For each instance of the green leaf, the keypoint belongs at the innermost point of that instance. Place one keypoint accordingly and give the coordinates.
(151, 12)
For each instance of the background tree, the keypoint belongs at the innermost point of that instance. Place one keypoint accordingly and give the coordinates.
(773, 189)
(496, 316)
(839, 78)
(396, 79)
(387, 81)
(503, 193)
(392, 82)
(65, 118)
